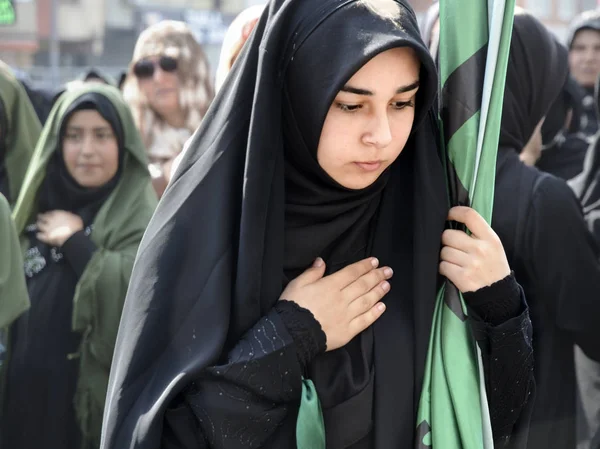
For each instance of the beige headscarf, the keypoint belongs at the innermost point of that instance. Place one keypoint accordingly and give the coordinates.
(235, 38)
(175, 39)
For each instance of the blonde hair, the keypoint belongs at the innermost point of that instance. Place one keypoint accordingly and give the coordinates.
(234, 41)
(174, 39)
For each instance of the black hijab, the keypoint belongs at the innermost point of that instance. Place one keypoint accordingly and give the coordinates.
(60, 191)
(530, 91)
(322, 217)
(252, 165)
(564, 147)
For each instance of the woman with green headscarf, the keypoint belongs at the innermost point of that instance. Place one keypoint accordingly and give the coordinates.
(20, 129)
(85, 204)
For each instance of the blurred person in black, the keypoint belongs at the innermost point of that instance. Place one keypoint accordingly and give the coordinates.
(583, 42)
(587, 190)
(539, 221)
(563, 146)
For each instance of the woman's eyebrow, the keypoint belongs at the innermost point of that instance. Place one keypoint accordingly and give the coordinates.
(358, 91)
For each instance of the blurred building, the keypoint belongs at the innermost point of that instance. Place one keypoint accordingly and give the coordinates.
(19, 37)
(102, 33)
(556, 14)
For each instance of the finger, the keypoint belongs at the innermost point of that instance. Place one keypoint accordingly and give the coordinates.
(312, 274)
(41, 225)
(42, 237)
(459, 240)
(351, 273)
(472, 220)
(367, 301)
(450, 271)
(367, 282)
(454, 256)
(364, 321)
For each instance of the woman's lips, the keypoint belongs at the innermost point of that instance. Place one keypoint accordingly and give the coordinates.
(369, 166)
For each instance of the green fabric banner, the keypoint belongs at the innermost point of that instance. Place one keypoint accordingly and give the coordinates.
(473, 55)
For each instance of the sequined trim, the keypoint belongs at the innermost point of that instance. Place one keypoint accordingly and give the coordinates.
(35, 262)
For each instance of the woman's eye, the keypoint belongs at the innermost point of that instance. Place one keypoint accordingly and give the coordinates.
(103, 136)
(403, 104)
(348, 107)
(72, 137)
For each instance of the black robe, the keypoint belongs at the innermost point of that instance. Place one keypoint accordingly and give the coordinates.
(556, 261)
(43, 352)
(540, 223)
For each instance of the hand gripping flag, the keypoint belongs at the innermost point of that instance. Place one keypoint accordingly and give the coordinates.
(473, 55)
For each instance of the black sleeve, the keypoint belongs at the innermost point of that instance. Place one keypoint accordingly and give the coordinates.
(497, 303)
(566, 269)
(241, 402)
(305, 330)
(507, 356)
(78, 250)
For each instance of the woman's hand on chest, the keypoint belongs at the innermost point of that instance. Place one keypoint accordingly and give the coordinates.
(344, 303)
(57, 226)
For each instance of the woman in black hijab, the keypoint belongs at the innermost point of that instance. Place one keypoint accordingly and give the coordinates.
(206, 355)
(541, 226)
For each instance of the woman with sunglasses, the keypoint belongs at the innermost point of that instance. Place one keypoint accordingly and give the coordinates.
(169, 90)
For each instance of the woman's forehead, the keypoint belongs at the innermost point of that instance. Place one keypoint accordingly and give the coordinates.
(85, 117)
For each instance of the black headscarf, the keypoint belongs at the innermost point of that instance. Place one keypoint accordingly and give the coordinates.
(529, 90)
(254, 170)
(59, 190)
(564, 147)
(322, 217)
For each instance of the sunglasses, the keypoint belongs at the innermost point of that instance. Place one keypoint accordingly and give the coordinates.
(145, 67)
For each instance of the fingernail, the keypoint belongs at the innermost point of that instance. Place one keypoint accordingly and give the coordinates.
(318, 262)
(374, 262)
(388, 272)
(385, 286)
(381, 307)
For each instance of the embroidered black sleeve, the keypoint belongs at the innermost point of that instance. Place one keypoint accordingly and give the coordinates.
(507, 355)
(305, 330)
(243, 402)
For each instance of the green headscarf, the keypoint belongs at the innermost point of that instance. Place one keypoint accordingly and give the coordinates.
(24, 129)
(117, 231)
(14, 299)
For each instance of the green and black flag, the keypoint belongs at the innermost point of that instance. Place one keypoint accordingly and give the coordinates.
(7, 12)
(473, 55)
